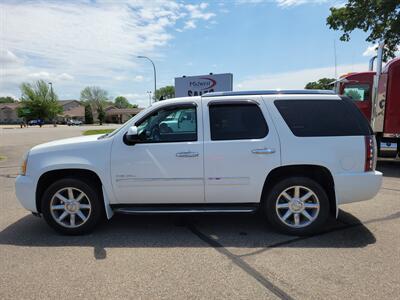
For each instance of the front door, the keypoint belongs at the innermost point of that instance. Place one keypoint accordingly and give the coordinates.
(241, 147)
(167, 165)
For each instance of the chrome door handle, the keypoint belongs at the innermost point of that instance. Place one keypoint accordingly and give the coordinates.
(187, 154)
(263, 151)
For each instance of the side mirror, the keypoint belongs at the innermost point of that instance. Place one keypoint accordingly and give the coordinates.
(132, 136)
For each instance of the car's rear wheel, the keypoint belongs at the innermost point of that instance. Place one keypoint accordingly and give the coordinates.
(297, 206)
(72, 206)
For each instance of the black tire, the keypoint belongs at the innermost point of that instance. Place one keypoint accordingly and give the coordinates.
(270, 203)
(93, 197)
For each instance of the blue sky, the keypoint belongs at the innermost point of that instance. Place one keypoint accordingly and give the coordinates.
(265, 44)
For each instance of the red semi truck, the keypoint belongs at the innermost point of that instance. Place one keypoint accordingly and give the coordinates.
(377, 95)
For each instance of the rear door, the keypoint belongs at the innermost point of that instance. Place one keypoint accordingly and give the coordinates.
(241, 147)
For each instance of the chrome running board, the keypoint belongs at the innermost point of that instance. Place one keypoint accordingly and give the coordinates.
(184, 209)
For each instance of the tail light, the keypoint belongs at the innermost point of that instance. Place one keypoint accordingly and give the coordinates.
(370, 153)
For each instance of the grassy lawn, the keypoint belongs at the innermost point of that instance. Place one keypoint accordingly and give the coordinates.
(2, 157)
(97, 131)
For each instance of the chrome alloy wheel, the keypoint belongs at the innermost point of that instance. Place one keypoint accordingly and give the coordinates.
(70, 207)
(297, 206)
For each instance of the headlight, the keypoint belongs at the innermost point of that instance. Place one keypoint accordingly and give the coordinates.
(22, 169)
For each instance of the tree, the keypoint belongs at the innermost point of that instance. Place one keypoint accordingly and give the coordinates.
(165, 92)
(97, 98)
(355, 95)
(38, 101)
(122, 102)
(101, 114)
(322, 84)
(7, 99)
(88, 114)
(381, 18)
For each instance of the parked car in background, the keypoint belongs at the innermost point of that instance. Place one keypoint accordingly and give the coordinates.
(36, 122)
(74, 122)
(293, 155)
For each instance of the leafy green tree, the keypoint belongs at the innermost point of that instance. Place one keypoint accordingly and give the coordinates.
(97, 98)
(322, 84)
(122, 102)
(7, 99)
(355, 95)
(165, 92)
(88, 114)
(380, 18)
(38, 101)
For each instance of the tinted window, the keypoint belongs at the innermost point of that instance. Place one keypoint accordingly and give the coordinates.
(357, 92)
(323, 117)
(237, 122)
(174, 124)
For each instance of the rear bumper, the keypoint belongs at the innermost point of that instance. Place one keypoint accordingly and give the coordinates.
(25, 189)
(354, 187)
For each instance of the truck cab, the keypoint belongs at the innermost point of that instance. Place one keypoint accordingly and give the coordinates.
(386, 124)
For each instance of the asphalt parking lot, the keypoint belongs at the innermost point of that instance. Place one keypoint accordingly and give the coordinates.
(219, 256)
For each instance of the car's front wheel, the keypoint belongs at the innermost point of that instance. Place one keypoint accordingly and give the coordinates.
(297, 206)
(72, 206)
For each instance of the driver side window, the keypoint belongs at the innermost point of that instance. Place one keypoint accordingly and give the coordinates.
(170, 124)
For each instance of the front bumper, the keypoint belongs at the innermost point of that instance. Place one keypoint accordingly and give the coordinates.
(25, 188)
(354, 187)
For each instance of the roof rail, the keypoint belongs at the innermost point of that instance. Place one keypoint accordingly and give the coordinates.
(270, 92)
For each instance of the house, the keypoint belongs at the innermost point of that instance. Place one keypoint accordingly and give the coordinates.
(9, 114)
(120, 115)
(72, 109)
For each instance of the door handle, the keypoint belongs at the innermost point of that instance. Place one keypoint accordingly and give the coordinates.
(263, 151)
(187, 154)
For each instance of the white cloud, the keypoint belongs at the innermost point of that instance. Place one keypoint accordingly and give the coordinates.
(142, 100)
(197, 11)
(40, 75)
(65, 76)
(190, 24)
(8, 58)
(139, 78)
(370, 51)
(89, 41)
(295, 79)
(282, 3)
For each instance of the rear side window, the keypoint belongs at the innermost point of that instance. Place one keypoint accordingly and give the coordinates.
(237, 122)
(357, 92)
(323, 117)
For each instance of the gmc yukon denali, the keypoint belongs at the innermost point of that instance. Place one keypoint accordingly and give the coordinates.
(293, 155)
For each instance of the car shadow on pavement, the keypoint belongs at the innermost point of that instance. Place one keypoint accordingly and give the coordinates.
(389, 168)
(240, 231)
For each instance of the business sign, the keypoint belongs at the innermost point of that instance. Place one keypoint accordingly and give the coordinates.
(199, 85)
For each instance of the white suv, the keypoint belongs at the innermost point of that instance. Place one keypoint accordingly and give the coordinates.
(294, 155)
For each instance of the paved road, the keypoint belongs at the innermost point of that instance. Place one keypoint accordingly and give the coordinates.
(150, 257)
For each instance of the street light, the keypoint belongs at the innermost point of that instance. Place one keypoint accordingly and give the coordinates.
(149, 92)
(51, 90)
(52, 99)
(155, 76)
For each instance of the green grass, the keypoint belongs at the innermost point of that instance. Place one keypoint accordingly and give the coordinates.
(97, 131)
(2, 157)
